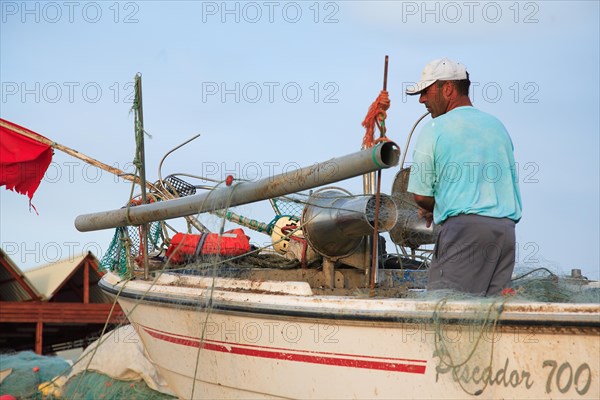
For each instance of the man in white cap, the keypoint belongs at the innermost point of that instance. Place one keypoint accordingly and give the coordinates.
(463, 177)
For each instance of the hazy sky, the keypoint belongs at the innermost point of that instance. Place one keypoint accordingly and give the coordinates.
(275, 85)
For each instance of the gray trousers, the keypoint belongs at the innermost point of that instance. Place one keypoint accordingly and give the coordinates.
(473, 254)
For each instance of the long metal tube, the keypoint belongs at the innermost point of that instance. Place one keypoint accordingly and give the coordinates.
(384, 155)
(334, 223)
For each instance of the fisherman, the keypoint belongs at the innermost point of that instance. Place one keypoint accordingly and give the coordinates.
(463, 177)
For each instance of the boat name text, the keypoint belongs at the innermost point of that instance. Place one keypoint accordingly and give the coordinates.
(561, 377)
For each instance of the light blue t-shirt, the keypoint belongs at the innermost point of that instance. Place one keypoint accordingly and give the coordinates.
(464, 159)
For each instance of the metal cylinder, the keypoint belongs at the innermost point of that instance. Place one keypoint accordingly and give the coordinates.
(411, 230)
(384, 155)
(334, 223)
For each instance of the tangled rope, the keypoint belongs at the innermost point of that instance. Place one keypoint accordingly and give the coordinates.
(376, 116)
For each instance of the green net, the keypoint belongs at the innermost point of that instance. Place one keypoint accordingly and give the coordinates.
(93, 385)
(288, 206)
(466, 345)
(29, 370)
(125, 246)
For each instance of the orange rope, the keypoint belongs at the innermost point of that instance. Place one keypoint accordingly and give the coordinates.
(376, 115)
(138, 201)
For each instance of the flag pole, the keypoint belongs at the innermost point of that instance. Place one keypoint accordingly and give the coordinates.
(73, 153)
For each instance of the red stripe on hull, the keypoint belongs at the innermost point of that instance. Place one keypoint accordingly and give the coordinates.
(277, 354)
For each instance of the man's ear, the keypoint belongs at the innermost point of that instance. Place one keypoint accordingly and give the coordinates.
(449, 90)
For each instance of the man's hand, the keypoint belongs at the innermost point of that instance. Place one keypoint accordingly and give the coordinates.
(428, 215)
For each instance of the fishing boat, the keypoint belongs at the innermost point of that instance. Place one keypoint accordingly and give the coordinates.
(216, 338)
(326, 312)
(235, 327)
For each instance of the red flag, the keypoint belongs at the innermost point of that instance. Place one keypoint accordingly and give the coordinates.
(24, 158)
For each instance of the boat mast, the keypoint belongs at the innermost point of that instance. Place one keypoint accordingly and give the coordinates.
(140, 162)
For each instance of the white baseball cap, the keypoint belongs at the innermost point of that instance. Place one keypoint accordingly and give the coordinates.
(441, 69)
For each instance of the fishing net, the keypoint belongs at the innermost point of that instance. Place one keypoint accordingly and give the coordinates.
(288, 206)
(93, 385)
(125, 247)
(26, 375)
(462, 346)
(29, 370)
(542, 282)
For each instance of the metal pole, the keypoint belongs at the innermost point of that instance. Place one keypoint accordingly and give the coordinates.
(375, 251)
(384, 155)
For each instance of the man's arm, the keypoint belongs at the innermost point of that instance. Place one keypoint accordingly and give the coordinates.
(425, 202)
(426, 205)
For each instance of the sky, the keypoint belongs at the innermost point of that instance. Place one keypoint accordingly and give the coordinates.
(275, 85)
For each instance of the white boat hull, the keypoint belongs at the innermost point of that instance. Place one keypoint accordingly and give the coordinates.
(261, 343)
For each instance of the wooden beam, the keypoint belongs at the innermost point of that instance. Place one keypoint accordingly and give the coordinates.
(86, 282)
(92, 313)
(38, 337)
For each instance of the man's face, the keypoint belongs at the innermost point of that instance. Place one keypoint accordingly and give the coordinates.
(434, 99)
